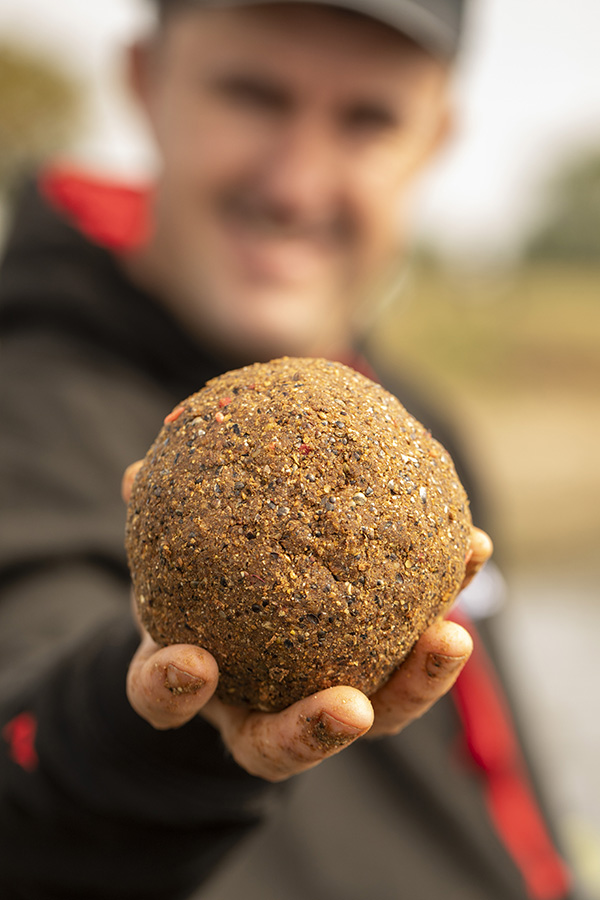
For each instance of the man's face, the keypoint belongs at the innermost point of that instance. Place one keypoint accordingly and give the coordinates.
(288, 136)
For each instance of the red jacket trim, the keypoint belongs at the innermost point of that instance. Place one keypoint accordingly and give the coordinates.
(19, 734)
(113, 215)
(494, 748)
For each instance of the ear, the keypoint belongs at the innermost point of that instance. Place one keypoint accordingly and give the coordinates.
(142, 79)
(139, 70)
(442, 129)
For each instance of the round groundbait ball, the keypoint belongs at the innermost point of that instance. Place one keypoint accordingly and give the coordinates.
(294, 520)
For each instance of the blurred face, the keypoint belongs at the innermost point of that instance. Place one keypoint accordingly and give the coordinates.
(288, 136)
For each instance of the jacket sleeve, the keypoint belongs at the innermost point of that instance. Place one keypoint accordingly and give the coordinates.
(93, 802)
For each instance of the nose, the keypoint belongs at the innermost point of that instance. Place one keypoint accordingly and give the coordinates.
(302, 174)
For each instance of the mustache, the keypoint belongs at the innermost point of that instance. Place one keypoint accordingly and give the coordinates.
(280, 220)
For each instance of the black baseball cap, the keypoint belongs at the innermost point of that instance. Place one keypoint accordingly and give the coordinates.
(435, 25)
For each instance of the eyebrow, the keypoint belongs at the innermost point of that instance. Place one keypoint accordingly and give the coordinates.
(242, 85)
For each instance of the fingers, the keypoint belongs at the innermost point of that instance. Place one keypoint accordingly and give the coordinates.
(275, 746)
(168, 686)
(128, 479)
(479, 552)
(430, 670)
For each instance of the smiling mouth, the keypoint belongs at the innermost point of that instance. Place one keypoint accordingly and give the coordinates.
(275, 230)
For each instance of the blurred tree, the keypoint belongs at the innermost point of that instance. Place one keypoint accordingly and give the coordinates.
(39, 111)
(570, 231)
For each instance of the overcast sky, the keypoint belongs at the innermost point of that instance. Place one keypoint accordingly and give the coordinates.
(528, 92)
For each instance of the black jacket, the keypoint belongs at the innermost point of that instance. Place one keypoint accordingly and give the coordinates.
(93, 802)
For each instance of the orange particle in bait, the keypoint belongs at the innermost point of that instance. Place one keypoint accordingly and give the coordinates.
(173, 416)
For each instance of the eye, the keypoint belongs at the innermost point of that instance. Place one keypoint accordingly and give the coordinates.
(370, 119)
(251, 93)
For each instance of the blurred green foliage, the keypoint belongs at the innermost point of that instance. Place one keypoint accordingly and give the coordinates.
(533, 327)
(570, 230)
(39, 111)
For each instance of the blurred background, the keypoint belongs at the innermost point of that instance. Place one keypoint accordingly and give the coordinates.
(498, 313)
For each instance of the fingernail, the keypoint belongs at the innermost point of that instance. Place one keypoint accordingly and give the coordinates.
(179, 681)
(331, 733)
(437, 664)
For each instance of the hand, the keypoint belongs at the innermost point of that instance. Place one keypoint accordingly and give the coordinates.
(168, 686)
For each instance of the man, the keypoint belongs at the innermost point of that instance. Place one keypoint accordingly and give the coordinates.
(289, 134)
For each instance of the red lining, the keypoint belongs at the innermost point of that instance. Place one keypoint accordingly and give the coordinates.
(491, 740)
(19, 734)
(116, 216)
